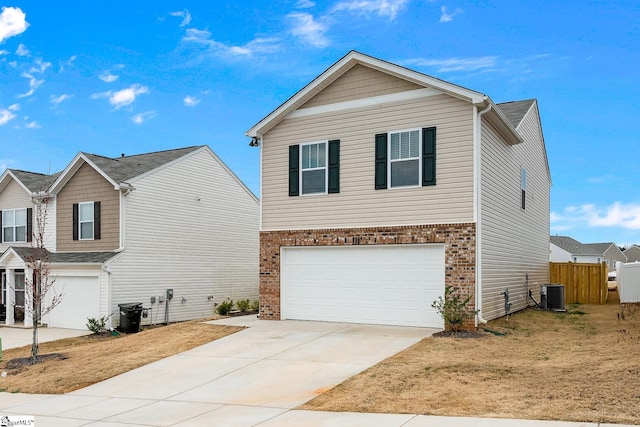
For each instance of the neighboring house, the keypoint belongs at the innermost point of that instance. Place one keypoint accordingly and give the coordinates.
(567, 249)
(632, 253)
(382, 185)
(128, 229)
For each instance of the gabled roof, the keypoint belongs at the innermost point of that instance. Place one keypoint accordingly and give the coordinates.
(576, 248)
(27, 253)
(353, 58)
(516, 110)
(31, 182)
(119, 170)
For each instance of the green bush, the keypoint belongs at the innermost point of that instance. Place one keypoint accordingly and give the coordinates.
(97, 325)
(224, 307)
(243, 305)
(255, 306)
(453, 309)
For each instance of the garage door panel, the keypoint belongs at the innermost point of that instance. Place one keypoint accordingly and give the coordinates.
(383, 284)
(80, 301)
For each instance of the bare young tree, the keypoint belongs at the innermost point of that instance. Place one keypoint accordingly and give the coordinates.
(40, 294)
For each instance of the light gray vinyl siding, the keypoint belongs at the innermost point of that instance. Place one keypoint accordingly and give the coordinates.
(514, 242)
(191, 227)
(358, 204)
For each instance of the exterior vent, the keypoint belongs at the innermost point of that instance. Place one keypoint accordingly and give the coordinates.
(552, 297)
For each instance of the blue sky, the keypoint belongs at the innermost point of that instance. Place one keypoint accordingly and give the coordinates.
(115, 77)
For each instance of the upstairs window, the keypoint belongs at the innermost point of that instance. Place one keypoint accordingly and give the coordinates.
(404, 158)
(86, 221)
(16, 225)
(523, 188)
(313, 170)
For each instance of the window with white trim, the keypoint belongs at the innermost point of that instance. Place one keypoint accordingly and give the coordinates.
(523, 188)
(85, 220)
(14, 225)
(404, 158)
(313, 168)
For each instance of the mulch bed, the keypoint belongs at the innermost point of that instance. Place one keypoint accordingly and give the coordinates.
(17, 364)
(459, 334)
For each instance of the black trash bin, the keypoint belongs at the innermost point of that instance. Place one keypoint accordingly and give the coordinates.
(130, 317)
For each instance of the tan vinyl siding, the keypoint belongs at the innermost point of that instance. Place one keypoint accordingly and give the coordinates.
(191, 227)
(13, 196)
(360, 82)
(87, 185)
(358, 204)
(514, 242)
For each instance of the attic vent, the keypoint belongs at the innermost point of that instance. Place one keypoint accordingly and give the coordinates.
(552, 297)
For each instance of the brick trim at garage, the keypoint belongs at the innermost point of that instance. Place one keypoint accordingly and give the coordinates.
(459, 241)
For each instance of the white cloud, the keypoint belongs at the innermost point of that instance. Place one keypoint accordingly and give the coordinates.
(388, 8)
(202, 38)
(448, 17)
(22, 50)
(14, 107)
(308, 29)
(305, 4)
(12, 22)
(123, 97)
(33, 85)
(107, 77)
(143, 117)
(4, 52)
(483, 63)
(33, 125)
(41, 66)
(6, 116)
(58, 99)
(191, 101)
(184, 14)
(68, 63)
(623, 215)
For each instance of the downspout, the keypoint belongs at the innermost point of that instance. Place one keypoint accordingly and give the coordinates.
(107, 270)
(477, 152)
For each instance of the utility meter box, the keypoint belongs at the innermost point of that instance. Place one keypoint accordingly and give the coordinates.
(169, 293)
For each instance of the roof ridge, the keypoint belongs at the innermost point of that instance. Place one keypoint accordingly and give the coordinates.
(141, 154)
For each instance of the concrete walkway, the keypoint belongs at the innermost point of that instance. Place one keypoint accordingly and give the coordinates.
(13, 336)
(251, 378)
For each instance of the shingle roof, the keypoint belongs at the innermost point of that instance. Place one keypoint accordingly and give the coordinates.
(26, 253)
(34, 181)
(121, 169)
(515, 110)
(576, 248)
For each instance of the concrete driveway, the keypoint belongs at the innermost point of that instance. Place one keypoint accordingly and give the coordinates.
(245, 379)
(13, 337)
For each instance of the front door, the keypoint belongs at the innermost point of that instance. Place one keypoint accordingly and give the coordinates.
(18, 311)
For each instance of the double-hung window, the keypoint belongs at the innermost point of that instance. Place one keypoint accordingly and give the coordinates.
(523, 188)
(313, 170)
(404, 158)
(14, 225)
(85, 220)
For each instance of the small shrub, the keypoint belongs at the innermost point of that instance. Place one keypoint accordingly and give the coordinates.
(224, 307)
(97, 326)
(243, 305)
(453, 309)
(255, 306)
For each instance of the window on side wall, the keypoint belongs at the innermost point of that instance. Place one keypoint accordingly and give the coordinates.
(86, 221)
(523, 188)
(404, 158)
(15, 225)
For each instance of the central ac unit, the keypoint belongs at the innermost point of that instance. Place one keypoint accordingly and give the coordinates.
(552, 297)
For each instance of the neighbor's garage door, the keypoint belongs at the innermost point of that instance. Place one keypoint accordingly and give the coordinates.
(80, 301)
(381, 284)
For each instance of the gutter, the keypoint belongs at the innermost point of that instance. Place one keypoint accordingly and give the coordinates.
(477, 135)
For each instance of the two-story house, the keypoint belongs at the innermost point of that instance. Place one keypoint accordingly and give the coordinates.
(568, 249)
(382, 185)
(130, 228)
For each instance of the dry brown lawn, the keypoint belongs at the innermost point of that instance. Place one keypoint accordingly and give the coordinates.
(583, 365)
(88, 360)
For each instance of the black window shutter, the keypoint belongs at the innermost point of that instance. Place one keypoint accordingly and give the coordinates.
(429, 156)
(96, 220)
(294, 170)
(75, 221)
(29, 224)
(334, 166)
(1, 229)
(381, 161)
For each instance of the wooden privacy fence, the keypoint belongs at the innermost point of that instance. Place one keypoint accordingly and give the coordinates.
(583, 283)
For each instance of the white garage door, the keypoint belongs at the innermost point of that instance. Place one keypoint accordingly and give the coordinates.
(382, 284)
(81, 300)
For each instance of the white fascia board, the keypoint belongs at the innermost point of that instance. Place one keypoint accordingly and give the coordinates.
(4, 181)
(347, 62)
(72, 168)
(365, 102)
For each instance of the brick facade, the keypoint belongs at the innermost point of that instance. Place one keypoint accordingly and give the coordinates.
(459, 241)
